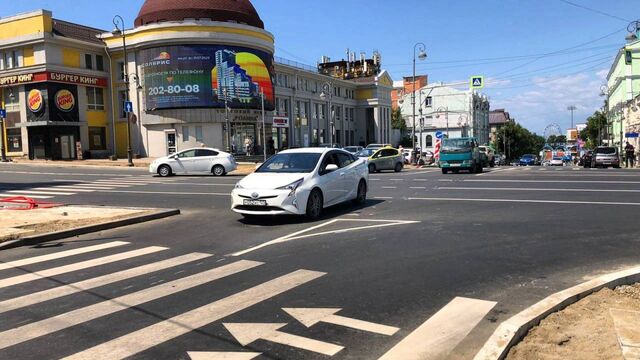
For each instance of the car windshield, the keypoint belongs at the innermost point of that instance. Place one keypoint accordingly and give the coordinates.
(365, 153)
(606, 150)
(290, 163)
(456, 145)
(529, 157)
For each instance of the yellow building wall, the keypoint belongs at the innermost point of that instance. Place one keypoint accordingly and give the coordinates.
(364, 94)
(27, 26)
(121, 139)
(28, 57)
(97, 118)
(70, 57)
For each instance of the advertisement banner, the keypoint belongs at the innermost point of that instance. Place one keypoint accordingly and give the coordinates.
(207, 76)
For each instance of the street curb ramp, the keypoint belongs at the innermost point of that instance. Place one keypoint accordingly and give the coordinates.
(510, 332)
(59, 235)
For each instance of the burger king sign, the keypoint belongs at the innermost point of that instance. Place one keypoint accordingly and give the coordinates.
(35, 101)
(64, 100)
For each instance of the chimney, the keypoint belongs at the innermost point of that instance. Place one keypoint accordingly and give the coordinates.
(363, 62)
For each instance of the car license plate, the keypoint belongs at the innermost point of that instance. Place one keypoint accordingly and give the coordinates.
(455, 165)
(255, 202)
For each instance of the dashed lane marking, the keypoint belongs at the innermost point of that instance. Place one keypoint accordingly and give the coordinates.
(539, 189)
(165, 192)
(548, 181)
(441, 333)
(526, 201)
(203, 355)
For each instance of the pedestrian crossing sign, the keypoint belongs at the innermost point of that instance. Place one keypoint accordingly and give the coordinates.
(477, 82)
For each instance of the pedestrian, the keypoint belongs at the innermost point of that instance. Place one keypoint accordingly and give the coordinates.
(247, 146)
(630, 154)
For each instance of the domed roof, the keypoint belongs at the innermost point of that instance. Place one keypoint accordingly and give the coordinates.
(240, 11)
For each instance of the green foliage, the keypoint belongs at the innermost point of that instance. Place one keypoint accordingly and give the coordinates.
(519, 141)
(596, 129)
(397, 122)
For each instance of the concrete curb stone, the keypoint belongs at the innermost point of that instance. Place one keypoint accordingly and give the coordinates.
(58, 235)
(511, 331)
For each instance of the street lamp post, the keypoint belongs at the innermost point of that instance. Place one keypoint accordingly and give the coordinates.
(227, 124)
(572, 108)
(327, 94)
(264, 131)
(118, 21)
(422, 56)
(604, 91)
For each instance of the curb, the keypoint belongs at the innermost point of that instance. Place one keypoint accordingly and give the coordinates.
(58, 235)
(511, 331)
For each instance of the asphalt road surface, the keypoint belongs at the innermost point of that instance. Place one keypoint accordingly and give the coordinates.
(430, 265)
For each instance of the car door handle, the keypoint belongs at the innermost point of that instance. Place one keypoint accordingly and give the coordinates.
(342, 174)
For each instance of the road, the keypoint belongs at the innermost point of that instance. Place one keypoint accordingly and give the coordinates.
(431, 265)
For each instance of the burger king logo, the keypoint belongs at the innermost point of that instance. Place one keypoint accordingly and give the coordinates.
(35, 100)
(65, 101)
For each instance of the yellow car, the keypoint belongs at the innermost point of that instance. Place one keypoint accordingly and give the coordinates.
(386, 158)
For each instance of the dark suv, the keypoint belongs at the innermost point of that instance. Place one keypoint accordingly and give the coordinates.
(605, 156)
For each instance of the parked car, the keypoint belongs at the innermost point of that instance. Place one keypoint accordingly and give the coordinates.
(302, 182)
(377, 146)
(529, 160)
(500, 160)
(605, 156)
(386, 158)
(557, 161)
(353, 149)
(488, 155)
(195, 161)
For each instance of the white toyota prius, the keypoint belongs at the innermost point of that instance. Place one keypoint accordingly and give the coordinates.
(195, 161)
(302, 182)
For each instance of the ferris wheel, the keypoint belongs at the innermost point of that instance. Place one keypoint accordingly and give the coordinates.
(552, 130)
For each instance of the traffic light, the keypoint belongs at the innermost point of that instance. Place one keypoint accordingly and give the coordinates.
(628, 57)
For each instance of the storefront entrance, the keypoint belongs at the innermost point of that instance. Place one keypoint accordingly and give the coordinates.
(244, 140)
(53, 142)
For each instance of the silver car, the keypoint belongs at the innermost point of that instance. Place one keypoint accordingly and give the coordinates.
(605, 156)
(195, 161)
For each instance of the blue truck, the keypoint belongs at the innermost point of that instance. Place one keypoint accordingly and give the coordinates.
(460, 154)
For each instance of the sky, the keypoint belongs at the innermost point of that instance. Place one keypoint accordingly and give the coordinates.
(538, 56)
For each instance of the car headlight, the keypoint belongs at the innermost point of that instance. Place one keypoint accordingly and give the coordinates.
(292, 187)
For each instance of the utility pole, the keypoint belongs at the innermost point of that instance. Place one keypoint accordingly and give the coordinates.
(264, 131)
(572, 108)
(226, 120)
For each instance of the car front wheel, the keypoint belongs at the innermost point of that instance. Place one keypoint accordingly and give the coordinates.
(164, 171)
(218, 170)
(314, 205)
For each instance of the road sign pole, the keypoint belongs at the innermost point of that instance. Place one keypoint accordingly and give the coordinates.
(3, 150)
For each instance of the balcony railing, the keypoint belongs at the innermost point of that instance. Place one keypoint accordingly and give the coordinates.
(295, 64)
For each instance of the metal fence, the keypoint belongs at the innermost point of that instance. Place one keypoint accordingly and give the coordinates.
(295, 64)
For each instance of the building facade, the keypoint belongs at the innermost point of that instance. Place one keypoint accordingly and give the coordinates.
(623, 86)
(406, 86)
(440, 108)
(497, 120)
(197, 73)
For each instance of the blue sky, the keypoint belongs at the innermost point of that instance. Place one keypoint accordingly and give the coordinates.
(539, 55)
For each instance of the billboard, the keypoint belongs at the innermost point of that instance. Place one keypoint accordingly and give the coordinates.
(207, 76)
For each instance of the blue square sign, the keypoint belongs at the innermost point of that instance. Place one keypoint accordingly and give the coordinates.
(128, 107)
(3, 114)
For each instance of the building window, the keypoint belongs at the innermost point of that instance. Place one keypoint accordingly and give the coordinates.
(185, 133)
(95, 98)
(199, 136)
(88, 61)
(122, 97)
(97, 138)
(10, 59)
(121, 70)
(428, 102)
(10, 104)
(14, 140)
(99, 63)
(429, 141)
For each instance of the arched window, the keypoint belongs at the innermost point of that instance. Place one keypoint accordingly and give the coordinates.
(429, 141)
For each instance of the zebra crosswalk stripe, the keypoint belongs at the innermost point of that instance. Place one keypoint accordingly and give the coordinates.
(28, 192)
(47, 326)
(61, 190)
(20, 279)
(64, 290)
(60, 255)
(143, 339)
(31, 196)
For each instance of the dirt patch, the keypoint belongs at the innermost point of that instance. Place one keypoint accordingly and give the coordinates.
(584, 330)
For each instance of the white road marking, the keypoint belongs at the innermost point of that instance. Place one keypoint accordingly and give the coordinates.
(396, 179)
(56, 188)
(389, 187)
(31, 196)
(552, 181)
(382, 198)
(165, 192)
(27, 192)
(90, 183)
(250, 332)
(418, 187)
(301, 234)
(60, 322)
(36, 275)
(64, 290)
(423, 180)
(197, 184)
(539, 189)
(143, 339)
(63, 174)
(194, 355)
(376, 179)
(310, 317)
(436, 337)
(59, 255)
(525, 201)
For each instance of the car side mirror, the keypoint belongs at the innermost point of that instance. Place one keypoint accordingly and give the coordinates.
(330, 168)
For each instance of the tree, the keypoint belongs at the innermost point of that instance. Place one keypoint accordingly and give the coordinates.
(397, 121)
(595, 130)
(519, 141)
